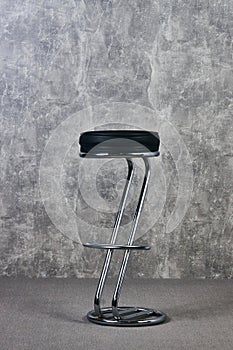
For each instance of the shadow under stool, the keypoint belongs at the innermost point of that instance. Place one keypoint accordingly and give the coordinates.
(127, 144)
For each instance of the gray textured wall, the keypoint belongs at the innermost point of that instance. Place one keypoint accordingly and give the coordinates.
(171, 57)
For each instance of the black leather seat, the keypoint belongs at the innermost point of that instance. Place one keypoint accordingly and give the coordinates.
(119, 142)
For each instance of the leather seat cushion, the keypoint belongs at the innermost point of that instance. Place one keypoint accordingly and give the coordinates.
(119, 141)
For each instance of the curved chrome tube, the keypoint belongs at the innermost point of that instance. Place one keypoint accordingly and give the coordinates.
(116, 315)
(125, 259)
(109, 253)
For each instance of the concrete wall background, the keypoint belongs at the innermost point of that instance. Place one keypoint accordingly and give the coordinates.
(173, 57)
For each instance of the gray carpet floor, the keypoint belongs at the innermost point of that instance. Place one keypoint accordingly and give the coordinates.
(50, 314)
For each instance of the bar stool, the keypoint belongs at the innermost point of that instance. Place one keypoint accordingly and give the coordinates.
(126, 144)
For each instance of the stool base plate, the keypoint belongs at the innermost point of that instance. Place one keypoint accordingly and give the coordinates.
(129, 317)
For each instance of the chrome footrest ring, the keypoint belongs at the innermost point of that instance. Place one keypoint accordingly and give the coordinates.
(115, 246)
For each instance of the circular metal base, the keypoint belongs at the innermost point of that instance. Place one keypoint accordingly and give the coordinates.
(129, 317)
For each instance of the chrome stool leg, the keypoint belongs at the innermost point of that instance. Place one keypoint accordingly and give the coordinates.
(124, 316)
(137, 213)
(109, 253)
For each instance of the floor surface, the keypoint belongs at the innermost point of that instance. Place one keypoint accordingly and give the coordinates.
(50, 314)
